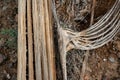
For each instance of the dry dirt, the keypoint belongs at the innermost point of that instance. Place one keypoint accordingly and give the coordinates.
(8, 39)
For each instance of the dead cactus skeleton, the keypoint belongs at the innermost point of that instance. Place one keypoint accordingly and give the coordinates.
(93, 37)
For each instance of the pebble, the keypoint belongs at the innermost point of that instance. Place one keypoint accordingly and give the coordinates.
(8, 76)
(104, 59)
(4, 8)
(111, 59)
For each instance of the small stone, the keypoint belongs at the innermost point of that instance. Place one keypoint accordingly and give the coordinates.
(104, 59)
(111, 59)
(8, 76)
(4, 8)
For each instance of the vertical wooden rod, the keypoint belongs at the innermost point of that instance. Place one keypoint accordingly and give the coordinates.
(49, 40)
(21, 40)
(37, 40)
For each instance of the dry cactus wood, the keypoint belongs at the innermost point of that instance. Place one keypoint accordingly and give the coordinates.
(43, 40)
(30, 41)
(95, 36)
(21, 40)
(35, 41)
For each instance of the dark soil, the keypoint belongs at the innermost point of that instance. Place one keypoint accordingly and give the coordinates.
(8, 39)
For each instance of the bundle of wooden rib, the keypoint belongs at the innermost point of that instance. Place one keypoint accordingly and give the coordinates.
(35, 41)
(93, 37)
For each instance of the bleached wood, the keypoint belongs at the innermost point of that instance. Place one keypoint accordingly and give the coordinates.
(21, 74)
(37, 48)
(35, 41)
(43, 40)
(92, 12)
(49, 40)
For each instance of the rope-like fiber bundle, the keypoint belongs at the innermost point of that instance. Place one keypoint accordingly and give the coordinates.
(98, 34)
(101, 32)
(93, 37)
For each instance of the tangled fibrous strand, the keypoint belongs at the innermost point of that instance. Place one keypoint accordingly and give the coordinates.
(93, 37)
(98, 34)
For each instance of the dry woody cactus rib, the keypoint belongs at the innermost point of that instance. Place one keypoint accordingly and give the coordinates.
(93, 37)
(35, 41)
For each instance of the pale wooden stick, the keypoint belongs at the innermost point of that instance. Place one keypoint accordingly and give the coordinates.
(49, 40)
(63, 41)
(21, 74)
(43, 40)
(30, 40)
(37, 48)
(92, 12)
(84, 66)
